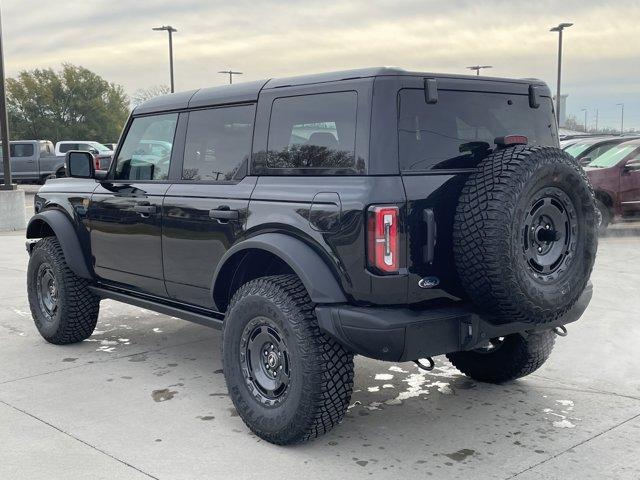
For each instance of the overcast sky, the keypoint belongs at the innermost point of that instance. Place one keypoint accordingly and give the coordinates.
(278, 38)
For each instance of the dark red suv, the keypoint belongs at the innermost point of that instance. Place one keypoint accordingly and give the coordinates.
(615, 176)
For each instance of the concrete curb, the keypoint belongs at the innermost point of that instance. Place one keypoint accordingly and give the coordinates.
(12, 210)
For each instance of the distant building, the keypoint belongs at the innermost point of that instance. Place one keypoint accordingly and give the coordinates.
(563, 108)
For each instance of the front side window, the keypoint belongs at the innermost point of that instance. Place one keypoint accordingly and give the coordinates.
(146, 151)
(218, 143)
(314, 133)
(21, 150)
(460, 129)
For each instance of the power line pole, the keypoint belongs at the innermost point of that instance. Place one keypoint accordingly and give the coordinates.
(170, 30)
(559, 29)
(231, 74)
(621, 118)
(4, 124)
(477, 68)
(585, 120)
(597, 120)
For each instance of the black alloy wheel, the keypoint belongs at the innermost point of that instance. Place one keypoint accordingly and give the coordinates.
(264, 359)
(550, 233)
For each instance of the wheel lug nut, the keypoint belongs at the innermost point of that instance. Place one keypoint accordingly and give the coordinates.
(540, 249)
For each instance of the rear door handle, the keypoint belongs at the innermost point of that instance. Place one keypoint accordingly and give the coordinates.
(223, 212)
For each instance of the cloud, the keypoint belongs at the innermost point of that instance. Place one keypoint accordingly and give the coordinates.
(279, 38)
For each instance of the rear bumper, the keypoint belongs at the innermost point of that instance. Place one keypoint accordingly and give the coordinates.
(402, 334)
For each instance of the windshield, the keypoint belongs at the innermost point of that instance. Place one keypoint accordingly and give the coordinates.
(577, 148)
(101, 148)
(613, 156)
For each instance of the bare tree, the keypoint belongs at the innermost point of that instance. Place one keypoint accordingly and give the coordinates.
(143, 94)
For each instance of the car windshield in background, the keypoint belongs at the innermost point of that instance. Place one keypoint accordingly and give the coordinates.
(613, 156)
(459, 130)
(577, 148)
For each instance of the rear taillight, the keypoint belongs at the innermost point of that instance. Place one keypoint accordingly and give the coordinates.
(382, 232)
(96, 162)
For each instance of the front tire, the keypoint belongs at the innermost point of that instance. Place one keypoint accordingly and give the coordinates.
(507, 358)
(62, 306)
(603, 216)
(288, 381)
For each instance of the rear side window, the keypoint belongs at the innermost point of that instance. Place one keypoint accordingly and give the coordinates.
(218, 143)
(146, 151)
(459, 130)
(65, 147)
(314, 134)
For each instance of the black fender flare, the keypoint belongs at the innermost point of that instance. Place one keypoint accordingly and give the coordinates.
(66, 234)
(321, 284)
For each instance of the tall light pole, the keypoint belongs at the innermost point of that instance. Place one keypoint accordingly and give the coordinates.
(585, 119)
(621, 117)
(477, 68)
(4, 127)
(597, 120)
(231, 73)
(170, 30)
(559, 29)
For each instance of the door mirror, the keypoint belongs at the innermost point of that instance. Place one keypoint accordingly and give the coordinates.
(632, 165)
(79, 164)
(584, 161)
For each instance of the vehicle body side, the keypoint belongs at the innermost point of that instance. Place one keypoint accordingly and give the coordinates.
(617, 187)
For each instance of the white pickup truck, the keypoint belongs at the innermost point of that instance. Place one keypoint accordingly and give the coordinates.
(101, 154)
(33, 160)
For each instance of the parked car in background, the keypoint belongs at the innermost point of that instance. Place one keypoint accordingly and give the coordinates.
(111, 146)
(33, 161)
(101, 153)
(586, 150)
(564, 144)
(615, 176)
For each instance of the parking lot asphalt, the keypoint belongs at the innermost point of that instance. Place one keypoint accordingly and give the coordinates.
(145, 397)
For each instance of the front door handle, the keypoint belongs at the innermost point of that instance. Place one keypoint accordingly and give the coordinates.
(223, 212)
(145, 208)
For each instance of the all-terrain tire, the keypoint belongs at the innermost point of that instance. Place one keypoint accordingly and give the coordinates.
(320, 370)
(516, 356)
(499, 245)
(75, 313)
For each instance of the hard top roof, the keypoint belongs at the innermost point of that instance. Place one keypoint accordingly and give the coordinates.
(249, 91)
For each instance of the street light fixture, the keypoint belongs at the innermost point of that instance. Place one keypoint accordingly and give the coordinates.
(559, 29)
(621, 117)
(170, 30)
(231, 73)
(477, 68)
(585, 119)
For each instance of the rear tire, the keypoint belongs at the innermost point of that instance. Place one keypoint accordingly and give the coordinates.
(63, 308)
(514, 357)
(524, 237)
(288, 381)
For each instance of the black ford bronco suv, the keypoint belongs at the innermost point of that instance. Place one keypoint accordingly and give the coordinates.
(379, 212)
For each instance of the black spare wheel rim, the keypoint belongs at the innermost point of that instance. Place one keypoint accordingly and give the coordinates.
(550, 234)
(265, 361)
(47, 291)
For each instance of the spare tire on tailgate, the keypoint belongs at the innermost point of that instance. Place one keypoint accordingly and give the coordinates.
(525, 234)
